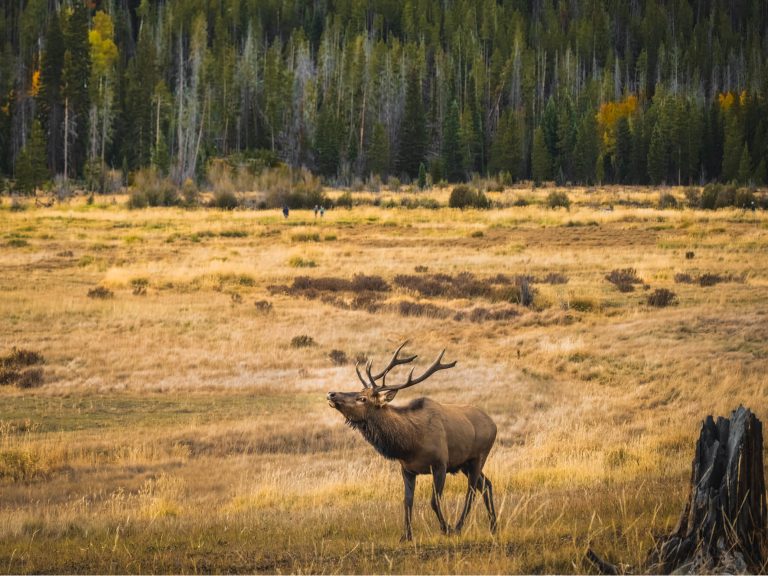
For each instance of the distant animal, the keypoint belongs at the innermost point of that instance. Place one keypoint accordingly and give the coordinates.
(425, 437)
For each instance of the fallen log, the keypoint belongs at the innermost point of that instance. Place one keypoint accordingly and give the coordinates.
(724, 524)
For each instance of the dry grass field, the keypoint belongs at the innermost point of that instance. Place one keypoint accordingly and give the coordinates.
(176, 429)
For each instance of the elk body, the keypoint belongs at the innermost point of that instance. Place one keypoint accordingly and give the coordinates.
(425, 437)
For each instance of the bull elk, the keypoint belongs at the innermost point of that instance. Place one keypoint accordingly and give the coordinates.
(425, 437)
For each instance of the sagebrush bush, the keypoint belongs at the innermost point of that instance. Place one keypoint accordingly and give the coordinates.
(624, 279)
(338, 357)
(100, 292)
(463, 196)
(662, 297)
(302, 341)
(667, 200)
(224, 200)
(558, 199)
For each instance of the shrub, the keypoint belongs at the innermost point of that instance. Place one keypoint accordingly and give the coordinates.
(661, 297)
(21, 368)
(421, 269)
(462, 196)
(137, 200)
(624, 279)
(725, 197)
(224, 200)
(709, 196)
(667, 200)
(338, 357)
(683, 278)
(157, 191)
(263, 306)
(558, 199)
(690, 255)
(299, 262)
(744, 199)
(344, 201)
(100, 292)
(302, 341)
(693, 197)
(709, 279)
(139, 286)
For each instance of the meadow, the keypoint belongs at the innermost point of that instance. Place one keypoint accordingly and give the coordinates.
(179, 422)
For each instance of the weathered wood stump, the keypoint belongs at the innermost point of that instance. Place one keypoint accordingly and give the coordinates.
(724, 524)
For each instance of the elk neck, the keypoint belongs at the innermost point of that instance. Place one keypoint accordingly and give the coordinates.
(389, 430)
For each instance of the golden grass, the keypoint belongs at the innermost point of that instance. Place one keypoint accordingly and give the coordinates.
(178, 430)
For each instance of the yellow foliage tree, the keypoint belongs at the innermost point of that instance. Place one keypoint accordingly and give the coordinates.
(608, 116)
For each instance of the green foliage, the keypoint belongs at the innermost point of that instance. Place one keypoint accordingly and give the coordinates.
(31, 168)
(541, 162)
(413, 129)
(452, 159)
(422, 181)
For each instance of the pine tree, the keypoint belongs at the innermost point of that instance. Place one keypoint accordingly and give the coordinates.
(732, 146)
(413, 129)
(76, 73)
(658, 155)
(50, 104)
(31, 165)
(623, 157)
(587, 150)
(452, 158)
(541, 162)
(422, 182)
(327, 142)
(378, 153)
(745, 166)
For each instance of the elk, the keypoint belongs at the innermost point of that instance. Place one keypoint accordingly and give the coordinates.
(425, 437)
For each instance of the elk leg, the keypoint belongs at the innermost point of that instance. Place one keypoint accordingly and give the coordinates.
(472, 480)
(487, 489)
(438, 478)
(409, 480)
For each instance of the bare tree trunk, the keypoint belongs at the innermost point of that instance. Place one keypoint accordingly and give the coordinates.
(724, 524)
(66, 138)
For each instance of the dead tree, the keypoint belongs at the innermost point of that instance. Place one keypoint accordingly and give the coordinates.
(724, 523)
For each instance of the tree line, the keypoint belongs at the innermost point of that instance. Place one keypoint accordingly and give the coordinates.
(582, 91)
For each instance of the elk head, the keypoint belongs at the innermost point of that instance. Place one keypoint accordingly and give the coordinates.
(357, 406)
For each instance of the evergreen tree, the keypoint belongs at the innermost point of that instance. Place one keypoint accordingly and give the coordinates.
(732, 146)
(623, 157)
(76, 73)
(378, 153)
(31, 165)
(413, 129)
(587, 150)
(50, 104)
(422, 182)
(327, 142)
(658, 155)
(506, 148)
(745, 166)
(541, 162)
(452, 157)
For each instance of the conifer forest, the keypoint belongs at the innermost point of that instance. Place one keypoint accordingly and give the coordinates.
(579, 91)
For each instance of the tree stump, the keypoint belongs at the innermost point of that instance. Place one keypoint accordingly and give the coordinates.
(724, 523)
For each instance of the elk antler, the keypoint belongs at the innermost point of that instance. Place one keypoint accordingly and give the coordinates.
(395, 361)
(436, 365)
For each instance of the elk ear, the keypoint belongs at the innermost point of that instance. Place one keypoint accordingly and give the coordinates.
(390, 395)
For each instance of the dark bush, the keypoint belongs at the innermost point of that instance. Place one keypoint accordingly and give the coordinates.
(263, 306)
(693, 197)
(421, 269)
(725, 197)
(139, 286)
(30, 378)
(689, 255)
(624, 279)
(137, 200)
(709, 196)
(558, 199)
(709, 279)
(406, 308)
(683, 278)
(302, 341)
(344, 201)
(338, 357)
(20, 357)
(744, 199)
(100, 292)
(20, 368)
(462, 196)
(526, 291)
(661, 297)
(224, 200)
(667, 200)
(479, 315)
